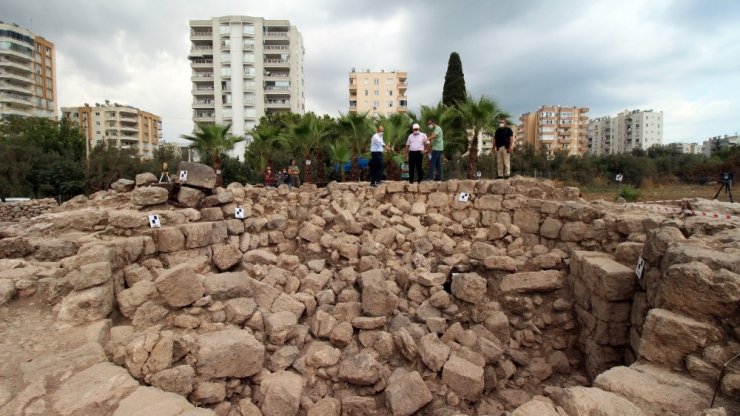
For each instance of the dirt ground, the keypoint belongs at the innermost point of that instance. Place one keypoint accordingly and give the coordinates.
(664, 193)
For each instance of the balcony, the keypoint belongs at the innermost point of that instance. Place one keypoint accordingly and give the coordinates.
(13, 112)
(201, 50)
(130, 129)
(276, 35)
(22, 56)
(271, 89)
(16, 76)
(276, 47)
(204, 104)
(277, 103)
(8, 86)
(11, 97)
(201, 34)
(202, 76)
(201, 63)
(10, 63)
(204, 116)
(277, 62)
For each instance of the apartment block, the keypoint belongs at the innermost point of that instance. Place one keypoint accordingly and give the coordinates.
(714, 144)
(690, 148)
(27, 74)
(244, 68)
(377, 93)
(118, 125)
(555, 129)
(629, 130)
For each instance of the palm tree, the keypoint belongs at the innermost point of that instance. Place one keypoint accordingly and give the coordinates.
(478, 116)
(307, 137)
(211, 141)
(340, 154)
(355, 129)
(265, 140)
(397, 127)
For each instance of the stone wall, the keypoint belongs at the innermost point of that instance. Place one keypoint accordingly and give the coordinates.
(395, 299)
(16, 211)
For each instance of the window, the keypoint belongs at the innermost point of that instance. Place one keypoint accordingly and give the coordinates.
(226, 99)
(376, 81)
(225, 57)
(225, 71)
(390, 93)
(366, 93)
(390, 104)
(376, 104)
(249, 99)
(226, 44)
(249, 85)
(376, 93)
(249, 125)
(248, 57)
(226, 113)
(249, 71)
(250, 112)
(248, 29)
(224, 29)
(97, 113)
(366, 81)
(248, 44)
(389, 81)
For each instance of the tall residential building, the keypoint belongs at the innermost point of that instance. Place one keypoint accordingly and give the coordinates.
(627, 131)
(244, 68)
(378, 93)
(717, 143)
(555, 129)
(27, 73)
(118, 125)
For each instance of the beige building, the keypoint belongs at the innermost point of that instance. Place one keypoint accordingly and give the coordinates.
(635, 129)
(378, 93)
(244, 68)
(122, 126)
(555, 129)
(27, 74)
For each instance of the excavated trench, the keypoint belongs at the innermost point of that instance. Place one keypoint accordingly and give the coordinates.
(396, 300)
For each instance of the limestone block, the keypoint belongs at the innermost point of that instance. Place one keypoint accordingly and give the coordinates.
(667, 338)
(531, 282)
(469, 287)
(229, 353)
(149, 195)
(180, 286)
(406, 393)
(199, 175)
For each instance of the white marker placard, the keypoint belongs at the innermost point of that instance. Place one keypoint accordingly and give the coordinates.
(619, 177)
(183, 175)
(640, 267)
(308, 162)
(218, 171)
(477, 174)
(154, 221)
(463, 197)
(239, 213)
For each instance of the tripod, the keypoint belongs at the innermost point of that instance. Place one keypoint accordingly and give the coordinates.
(727, 186)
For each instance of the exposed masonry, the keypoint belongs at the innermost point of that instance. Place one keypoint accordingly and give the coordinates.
(397, 299)
(16, 211)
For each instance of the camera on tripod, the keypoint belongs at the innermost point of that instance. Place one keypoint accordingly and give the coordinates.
(725, 178)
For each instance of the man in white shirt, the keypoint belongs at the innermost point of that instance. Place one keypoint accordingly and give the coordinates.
(376, 157)
(415, 149)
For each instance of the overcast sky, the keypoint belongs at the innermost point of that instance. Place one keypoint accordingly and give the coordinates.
(681, 57)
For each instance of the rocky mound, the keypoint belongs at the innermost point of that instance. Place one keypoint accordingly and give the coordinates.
(403, 299)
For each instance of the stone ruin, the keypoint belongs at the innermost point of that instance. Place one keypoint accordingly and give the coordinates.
(351, 300)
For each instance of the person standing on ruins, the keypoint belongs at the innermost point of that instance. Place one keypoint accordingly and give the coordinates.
(415, 151)
(376, 157)
(504, 143)
(437, 140)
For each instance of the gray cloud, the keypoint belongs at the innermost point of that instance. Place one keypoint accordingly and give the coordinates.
(681, 57)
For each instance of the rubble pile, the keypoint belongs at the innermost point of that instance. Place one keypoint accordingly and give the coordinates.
(520, 298)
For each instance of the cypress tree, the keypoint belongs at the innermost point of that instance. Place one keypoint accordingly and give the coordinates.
(454, 88)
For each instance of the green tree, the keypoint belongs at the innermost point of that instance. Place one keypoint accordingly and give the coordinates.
(306, 139)
(478, 116)
(454, 92)
(355, 129)
(340, 154)
(265, 143)
(212, 141)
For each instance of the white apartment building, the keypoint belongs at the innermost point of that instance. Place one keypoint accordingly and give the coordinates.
(716, 143)
(690, 148)
(27, 74)
(244, 68)
(122, 126)
(627, 131)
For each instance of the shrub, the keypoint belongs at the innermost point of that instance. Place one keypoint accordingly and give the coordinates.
(629, 193)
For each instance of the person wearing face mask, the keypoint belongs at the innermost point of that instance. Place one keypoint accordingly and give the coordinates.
(376, 157)
(504, 142)
(415, 150)
(437, 140)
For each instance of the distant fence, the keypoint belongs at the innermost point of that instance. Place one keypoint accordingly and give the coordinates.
(16, 211)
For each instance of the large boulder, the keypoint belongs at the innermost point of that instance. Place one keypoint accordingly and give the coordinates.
(469, 287)
(586, 401)
(695, 289)
(94, 391)
(145, 178)
(667, 338)
(180, 286)
(406, 393)
(463, 377)
(90, 275)
(176, 379)
(149, 195)
(7, 290)
(123, 185)
(87, 305)
(229, 353)
(199, 175)
(190, 197)
(281, 394)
